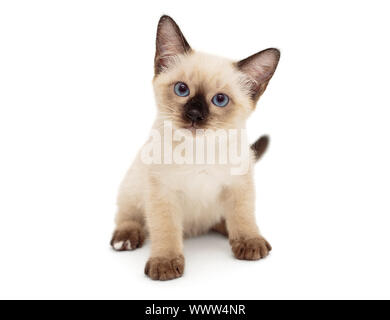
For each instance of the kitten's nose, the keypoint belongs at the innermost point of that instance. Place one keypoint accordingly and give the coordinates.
(194, 115)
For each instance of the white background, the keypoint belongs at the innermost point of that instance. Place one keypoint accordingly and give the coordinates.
(76, 103)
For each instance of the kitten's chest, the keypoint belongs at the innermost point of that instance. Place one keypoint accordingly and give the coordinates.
(198, 193)
(200, 186)
(199, 197)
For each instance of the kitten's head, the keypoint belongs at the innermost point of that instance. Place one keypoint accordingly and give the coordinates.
(197, 90)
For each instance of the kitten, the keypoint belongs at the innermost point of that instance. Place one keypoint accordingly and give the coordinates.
(168, 200)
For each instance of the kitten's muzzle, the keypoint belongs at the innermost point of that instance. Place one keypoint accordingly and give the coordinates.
(196, 109)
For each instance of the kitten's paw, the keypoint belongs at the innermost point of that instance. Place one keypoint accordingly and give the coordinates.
(165, 268)
(128, 239)
(250, 249)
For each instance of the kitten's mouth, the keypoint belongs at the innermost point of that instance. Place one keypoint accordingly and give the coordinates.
(192, 127)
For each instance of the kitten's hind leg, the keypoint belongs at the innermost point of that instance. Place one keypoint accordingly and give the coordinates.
(129, 233)
(221, 228)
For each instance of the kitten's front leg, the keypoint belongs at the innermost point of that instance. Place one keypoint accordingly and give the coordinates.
(244, 235)
(166, 261)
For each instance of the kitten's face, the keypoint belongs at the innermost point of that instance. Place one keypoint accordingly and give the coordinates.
(202, 91)
(199, 91)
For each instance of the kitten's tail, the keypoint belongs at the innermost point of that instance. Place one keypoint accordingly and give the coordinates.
(260, 147)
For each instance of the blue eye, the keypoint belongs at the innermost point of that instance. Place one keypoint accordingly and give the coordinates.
(181, 89)
(220, 100)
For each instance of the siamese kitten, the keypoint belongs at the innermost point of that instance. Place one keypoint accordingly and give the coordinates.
(167, 200)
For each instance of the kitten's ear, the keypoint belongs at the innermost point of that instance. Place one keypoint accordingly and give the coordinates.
(170, 42)
(260, 68)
